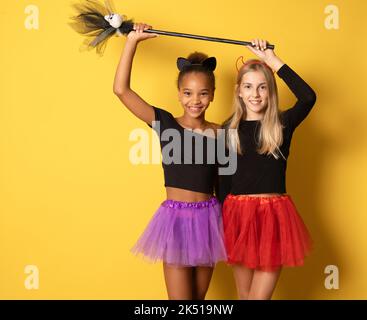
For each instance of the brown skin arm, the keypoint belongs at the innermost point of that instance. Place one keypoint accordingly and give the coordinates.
(121, 87)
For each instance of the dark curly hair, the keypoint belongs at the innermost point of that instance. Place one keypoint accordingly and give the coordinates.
(196, 58)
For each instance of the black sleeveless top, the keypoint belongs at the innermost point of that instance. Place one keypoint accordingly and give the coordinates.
(188, 158)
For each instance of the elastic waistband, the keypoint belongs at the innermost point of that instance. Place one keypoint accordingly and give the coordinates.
(183, 204)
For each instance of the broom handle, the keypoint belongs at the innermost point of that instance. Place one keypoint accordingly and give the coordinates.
(193, 36)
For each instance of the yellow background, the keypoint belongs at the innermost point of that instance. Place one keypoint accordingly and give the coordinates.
(72, 204)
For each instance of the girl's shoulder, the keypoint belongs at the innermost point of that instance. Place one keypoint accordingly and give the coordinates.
(214, 127)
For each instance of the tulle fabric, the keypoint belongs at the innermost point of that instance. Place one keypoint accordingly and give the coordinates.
(184, 234)
(264, 233)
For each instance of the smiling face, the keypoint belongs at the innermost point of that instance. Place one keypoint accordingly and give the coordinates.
(253, 90)
(195, 93)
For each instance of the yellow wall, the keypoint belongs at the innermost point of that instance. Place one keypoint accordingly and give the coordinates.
(73, 205)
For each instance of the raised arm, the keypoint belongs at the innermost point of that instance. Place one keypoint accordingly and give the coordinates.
(121, 86)
(306, 97)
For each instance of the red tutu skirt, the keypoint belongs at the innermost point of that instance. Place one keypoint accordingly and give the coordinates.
(264, 233)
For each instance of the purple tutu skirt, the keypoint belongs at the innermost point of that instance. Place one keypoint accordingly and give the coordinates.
(184, 234)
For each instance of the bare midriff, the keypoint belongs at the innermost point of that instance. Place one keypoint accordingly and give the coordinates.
(186, 195)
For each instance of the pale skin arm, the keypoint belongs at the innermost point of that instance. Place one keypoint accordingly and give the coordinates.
(121, 86)
(267, 55)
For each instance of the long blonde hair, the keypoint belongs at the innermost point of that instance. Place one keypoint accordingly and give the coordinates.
(271, 134)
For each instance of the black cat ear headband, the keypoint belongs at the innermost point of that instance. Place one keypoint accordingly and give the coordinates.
(209, 63)
(99, 23)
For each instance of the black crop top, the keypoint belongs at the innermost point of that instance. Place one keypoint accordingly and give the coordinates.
(187, 169)
(258, 173)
